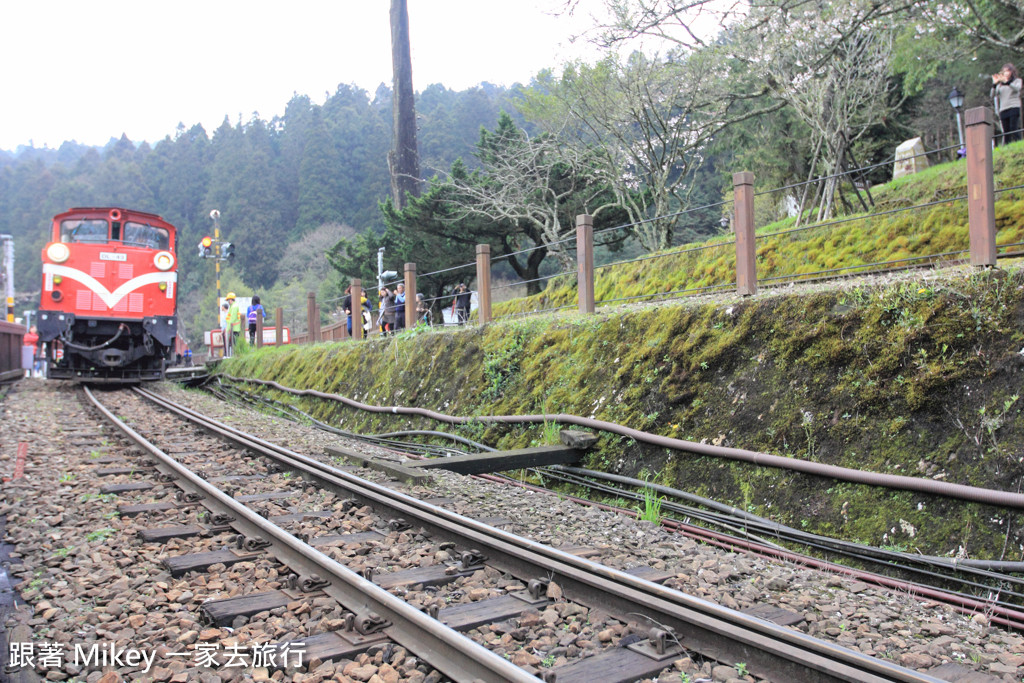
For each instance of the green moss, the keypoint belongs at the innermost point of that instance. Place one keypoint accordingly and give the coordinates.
(875, 237)
(917, 378)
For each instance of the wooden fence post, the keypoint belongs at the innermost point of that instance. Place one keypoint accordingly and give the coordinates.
(279, 326)
(746, 248)
(356, 292)
(311, 314)
(981, 204)
(483, 282)
(585, 262)
(259, 330)
(410, 295)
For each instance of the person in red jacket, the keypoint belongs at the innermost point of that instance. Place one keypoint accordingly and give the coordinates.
(31, 340)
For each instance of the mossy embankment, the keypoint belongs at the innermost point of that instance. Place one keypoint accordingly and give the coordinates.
(920, 215)
(919, 376)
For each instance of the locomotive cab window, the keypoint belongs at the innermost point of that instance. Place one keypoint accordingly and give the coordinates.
(88, 230)
(143, 235)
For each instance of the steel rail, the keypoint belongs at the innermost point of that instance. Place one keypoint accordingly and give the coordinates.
(963, 603)
(769, 650)
(443, 648)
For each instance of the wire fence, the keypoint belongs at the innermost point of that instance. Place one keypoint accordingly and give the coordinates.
(792, 247)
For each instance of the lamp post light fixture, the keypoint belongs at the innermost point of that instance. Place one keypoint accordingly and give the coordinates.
(956, 100)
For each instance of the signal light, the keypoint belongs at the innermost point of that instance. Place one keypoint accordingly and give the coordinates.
(227, 250)
(206, 247)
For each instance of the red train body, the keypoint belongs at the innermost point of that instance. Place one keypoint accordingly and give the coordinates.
(108, 306)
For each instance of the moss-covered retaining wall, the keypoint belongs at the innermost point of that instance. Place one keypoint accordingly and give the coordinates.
(920, 377)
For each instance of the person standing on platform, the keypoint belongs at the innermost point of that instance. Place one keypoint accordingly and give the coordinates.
(234, 320)
(400, 307)
(30, 354)
(255, 309)
(461, 304)
(422, 310)
(387, 311)
(225, 332)
(1006, 96)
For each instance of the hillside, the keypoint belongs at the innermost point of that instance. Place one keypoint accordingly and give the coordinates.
(917, 374)
(909, 219)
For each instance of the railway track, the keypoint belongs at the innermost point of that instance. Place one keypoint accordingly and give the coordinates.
(397, 602)
(968, 586)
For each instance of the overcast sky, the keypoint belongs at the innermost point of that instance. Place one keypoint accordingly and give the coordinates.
(91, 70)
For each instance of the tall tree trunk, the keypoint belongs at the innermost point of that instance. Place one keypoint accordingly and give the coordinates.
(404, 159)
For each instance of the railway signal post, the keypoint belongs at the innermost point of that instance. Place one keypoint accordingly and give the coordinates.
(213, 247)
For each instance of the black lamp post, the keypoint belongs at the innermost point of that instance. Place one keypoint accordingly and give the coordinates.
(956, 100)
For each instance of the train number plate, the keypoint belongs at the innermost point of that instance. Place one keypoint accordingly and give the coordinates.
(111, 256)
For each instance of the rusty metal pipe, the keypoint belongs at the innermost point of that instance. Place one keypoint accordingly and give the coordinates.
(973, 494)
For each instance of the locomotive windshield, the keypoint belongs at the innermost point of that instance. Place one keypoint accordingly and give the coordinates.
(143, 235)
(91, 230)
(95, 231)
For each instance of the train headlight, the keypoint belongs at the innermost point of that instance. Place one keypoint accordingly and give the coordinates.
(57, 279)
(164, 260)
(58, 252)
(162, 286)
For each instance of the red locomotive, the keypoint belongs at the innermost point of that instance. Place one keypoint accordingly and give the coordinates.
(108, 305)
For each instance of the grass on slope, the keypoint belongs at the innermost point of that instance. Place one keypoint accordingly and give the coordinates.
(893, 231)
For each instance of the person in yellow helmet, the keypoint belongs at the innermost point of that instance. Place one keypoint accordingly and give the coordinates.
(234, 320)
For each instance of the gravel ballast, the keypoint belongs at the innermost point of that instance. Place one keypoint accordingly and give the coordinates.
(89, 581)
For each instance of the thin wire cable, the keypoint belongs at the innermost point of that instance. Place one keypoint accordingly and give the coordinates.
(891, 160)
(795, 276)
(664, 217)
(447, 270)
(866, 216)
(671, 253)
(546, 245)
(523, 314)
(536, 279)
(667, 295)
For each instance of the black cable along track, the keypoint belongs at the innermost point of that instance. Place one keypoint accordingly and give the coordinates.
(737, 527)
